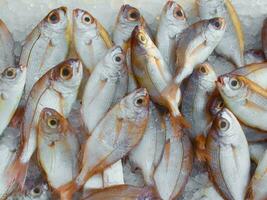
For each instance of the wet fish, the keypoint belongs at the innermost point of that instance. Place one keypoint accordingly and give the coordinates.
(7, 57)
(246, 99)
(171, 24)
(264, 37)
(12, 81)
(258, 183)
(147, 154)
(123, 192)
(91, 40)
(232, 44)
(175, 166)
(228, 152)
(195, 44)
(128, 18)
(46, 46)
(254, 56)
(197, 94)
(107, 84)
(56, 89)
(9, 143)
(57, 145)
(117, 133)
(152, 72)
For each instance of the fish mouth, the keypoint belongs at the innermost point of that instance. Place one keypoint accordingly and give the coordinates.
(75, 12)
(64, 9)
(220, 81)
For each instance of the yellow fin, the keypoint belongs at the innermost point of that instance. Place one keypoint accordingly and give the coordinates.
(105, 36)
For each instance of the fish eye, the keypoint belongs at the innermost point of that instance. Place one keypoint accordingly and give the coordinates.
(10, 73)
(203, 70)
(223, 125)
(217, 23)
(234, 83)
(178, 13)
(87, 19)
(220, 105)
(36, 192)
(133, 15)
(118, 58)
(142, 38)
(52, 122)
(140, 101)
(53, 17)
(66, 72)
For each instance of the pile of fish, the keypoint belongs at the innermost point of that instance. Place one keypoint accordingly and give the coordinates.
(134, 114)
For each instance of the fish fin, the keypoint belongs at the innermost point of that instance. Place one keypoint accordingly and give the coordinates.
(200, 148)
(17, 118)
(66, 191)
(7, 35)
(17, 173)
(104, 35)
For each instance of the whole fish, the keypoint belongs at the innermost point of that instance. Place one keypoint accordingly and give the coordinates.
(91, 40)
(46, 46)
(195, 45)
(128, 18)
(173, 171)
(254, 56)
(253, 135)
(152, 72)
(123, 192)
(232, 43)
(9, 143)
(171, 24)
(246, 99)
(104, 87)
(258, 183)
(147, 154)
(12, 81)
(57, 145)
(117, 133)
(264, 37)
(56, 89)
(228, 153)
(7, 57)
(198, 92)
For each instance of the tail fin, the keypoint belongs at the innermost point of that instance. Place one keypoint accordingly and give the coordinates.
(200, 148)
(66, 191)
(178, 122)
(17, 172)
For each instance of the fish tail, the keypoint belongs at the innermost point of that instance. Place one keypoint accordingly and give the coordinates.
(200, 148)
(16, 173)
(178, 123)
(66, 191)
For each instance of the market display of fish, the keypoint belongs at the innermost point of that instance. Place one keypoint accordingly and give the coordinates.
(136, 108)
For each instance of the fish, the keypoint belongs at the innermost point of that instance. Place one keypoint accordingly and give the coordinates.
(246, 99)
(127, 19)
(123, 192)
(220, 65)
(12, 82)
(254, 56)
(195, 44)
(147, 154)
(7, 45)
(171, 24)
(46, 46)
(9, 143)
(152, 72)
(232, 44)
(229, 160)
(258, 183)
(56, 89)
(116, 134)
(264, 37)
(57, 144)
(199, 90)
(91, 40)
(106, 85)
(173, 171)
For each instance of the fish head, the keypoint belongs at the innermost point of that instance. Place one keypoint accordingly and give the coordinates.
(14, 75)
(68, 74)
(225, 123)
(56, 20)
(136, 105)
(232, 88)
(205, 75)
(174, 14)
(115, 58)
(50, 122)
(216, 105)
(214, 30)
(84, 22)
